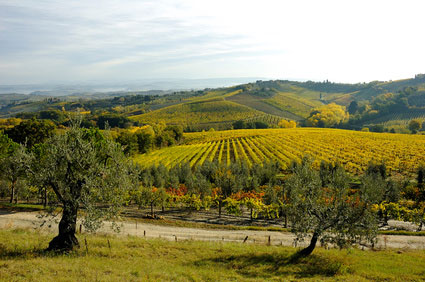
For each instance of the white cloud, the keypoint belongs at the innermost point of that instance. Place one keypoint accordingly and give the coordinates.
(82, 40)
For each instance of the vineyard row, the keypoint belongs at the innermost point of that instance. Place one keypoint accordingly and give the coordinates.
(401, 156)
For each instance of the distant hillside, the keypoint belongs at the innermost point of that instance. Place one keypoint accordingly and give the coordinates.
(200, 112)
(243, 102)
(380, 101)
(281, 98)
(345, 93)
(15, 98)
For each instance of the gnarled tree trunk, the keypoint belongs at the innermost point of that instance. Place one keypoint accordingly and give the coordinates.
(66, 239)
(308, 250)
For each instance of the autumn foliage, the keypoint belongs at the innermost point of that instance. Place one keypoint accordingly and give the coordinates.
(328, 116)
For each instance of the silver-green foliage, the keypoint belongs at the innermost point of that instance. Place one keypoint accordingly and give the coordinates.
(14, 161)
(86, 170)
(332, 214)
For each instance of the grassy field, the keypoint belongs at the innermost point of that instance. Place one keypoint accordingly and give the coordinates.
(136, 259)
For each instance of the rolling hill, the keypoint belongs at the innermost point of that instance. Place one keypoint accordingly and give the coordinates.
(199, 112)
(286, 100)
(218, 108)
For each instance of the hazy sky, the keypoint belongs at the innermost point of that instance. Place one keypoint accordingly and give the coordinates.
(74, 40)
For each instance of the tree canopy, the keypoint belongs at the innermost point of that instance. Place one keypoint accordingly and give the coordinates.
(323, 205)
(327, 116)
(31, 132)
(415, 125)
(13, 162)
(287, 123)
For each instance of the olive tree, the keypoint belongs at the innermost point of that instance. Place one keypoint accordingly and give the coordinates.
(332, 213)
(14, 168)
(84, 169)
(13, 163)
(415, 125)
(152, 197)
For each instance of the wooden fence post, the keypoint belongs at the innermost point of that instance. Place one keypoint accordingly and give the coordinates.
(87, 247)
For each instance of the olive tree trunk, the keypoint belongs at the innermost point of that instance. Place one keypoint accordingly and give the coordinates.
(308, 250)
(66, 240)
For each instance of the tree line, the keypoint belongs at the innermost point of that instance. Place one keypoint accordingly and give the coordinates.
(35, 131)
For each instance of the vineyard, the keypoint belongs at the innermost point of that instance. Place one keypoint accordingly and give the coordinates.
(274, 105)
(354, 150)
(271, 120)
(297, 105)
(209, 111)
(400, 118)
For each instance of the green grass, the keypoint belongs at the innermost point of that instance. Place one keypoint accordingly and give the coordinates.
(402, 232)
(21, 207)
(137, 259)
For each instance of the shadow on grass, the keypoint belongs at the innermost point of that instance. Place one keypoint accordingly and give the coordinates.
(7, 253)
(7, 208)
(278, 264)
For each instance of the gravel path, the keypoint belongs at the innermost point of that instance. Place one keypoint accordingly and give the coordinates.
(31, 220)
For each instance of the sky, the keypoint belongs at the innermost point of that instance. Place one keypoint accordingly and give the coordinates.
(63, 41)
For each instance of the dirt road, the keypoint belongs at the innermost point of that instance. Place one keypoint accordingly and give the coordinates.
(31, 220)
